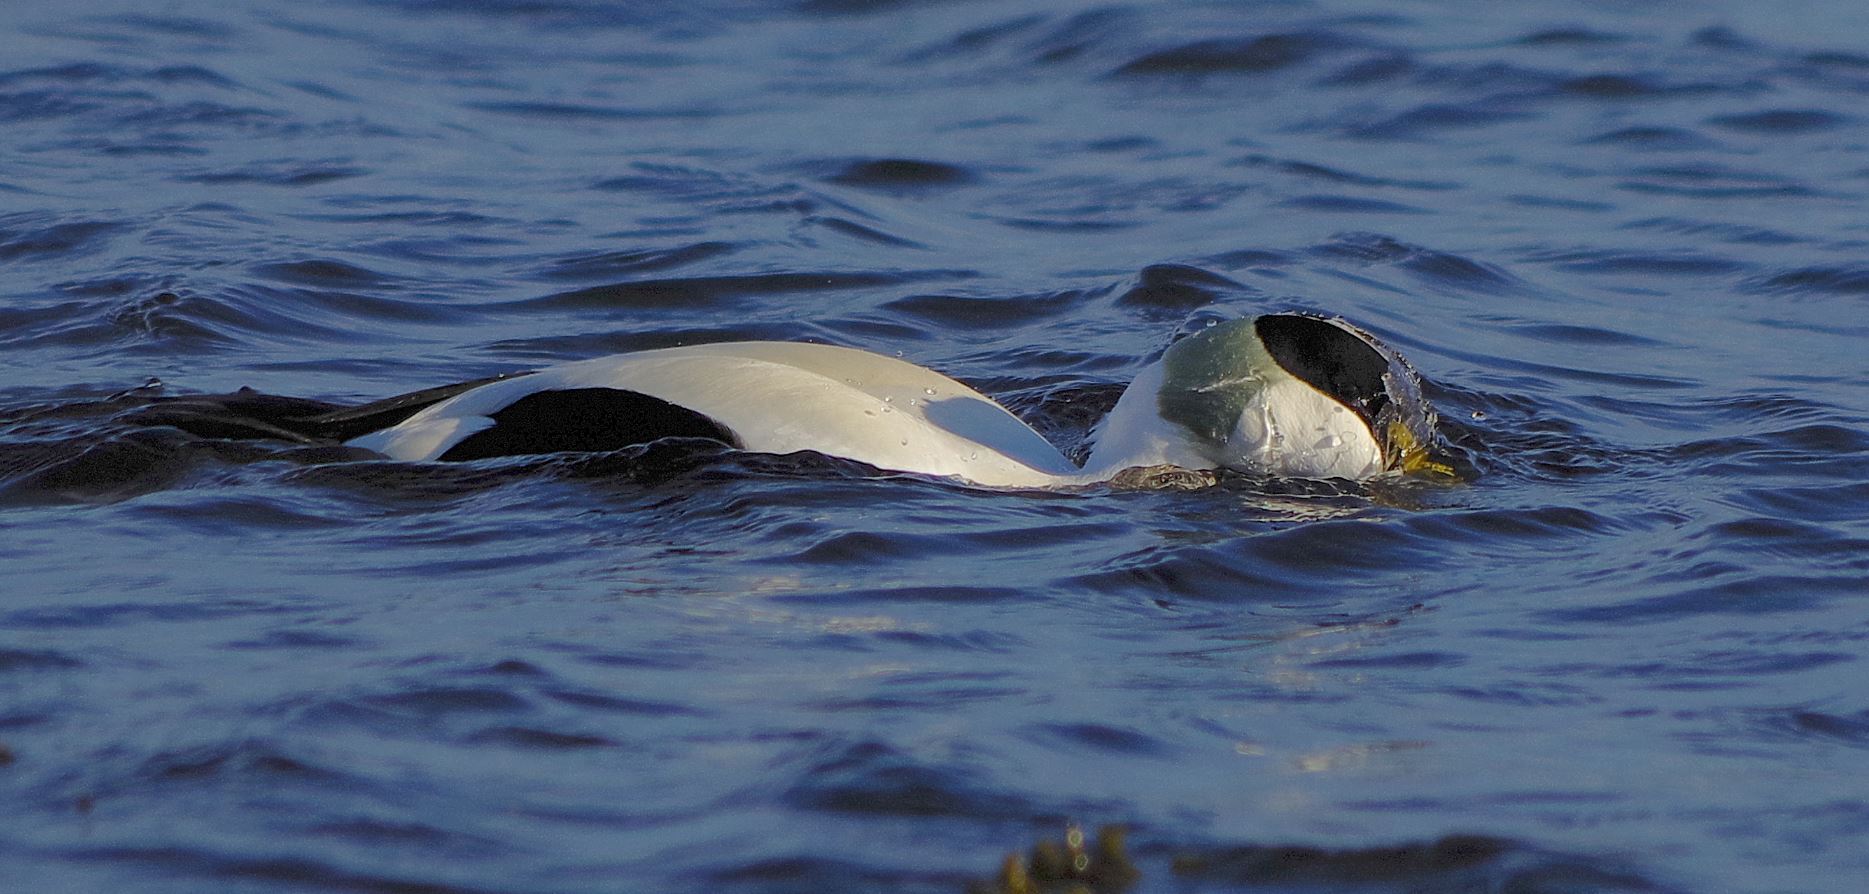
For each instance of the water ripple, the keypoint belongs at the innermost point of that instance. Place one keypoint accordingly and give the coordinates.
(1818, 280)
(1780, 121)
(1623, 247)
(712, 291)
(900, 175)
(1258, 53)
(869, 778)
(24, 236)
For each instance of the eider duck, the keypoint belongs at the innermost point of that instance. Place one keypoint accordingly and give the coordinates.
(1284, 394)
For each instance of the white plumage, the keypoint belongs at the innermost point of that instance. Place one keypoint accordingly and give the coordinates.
(783, 397)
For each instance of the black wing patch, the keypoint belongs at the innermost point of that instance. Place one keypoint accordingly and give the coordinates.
(1332, 359)
(588, 419)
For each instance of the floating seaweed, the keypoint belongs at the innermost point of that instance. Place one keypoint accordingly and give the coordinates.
(1067, 867)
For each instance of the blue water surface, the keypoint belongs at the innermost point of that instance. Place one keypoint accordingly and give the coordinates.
(1625, 244)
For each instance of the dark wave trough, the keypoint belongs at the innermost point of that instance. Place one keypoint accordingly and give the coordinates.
(1617, 651)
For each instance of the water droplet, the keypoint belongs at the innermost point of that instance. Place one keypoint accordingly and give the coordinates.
(928, 391)
(1479, 414)
(1333, 441)
(889, 409)
(905, 442)
(887, 398)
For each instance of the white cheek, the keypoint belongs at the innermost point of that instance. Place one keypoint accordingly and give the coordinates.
(1344, 447)
(1254, 434)
(1291, 429)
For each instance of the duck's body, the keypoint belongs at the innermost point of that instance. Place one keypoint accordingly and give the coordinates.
(1281, 394)
(766, 397)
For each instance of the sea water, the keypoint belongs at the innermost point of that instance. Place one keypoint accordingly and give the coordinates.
(1625, 244)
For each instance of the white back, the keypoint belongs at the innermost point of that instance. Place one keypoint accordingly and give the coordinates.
(782, 397)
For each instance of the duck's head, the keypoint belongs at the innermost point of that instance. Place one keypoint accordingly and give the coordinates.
(1296, 395)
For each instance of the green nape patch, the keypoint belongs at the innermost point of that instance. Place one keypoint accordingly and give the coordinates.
(1208, 379)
